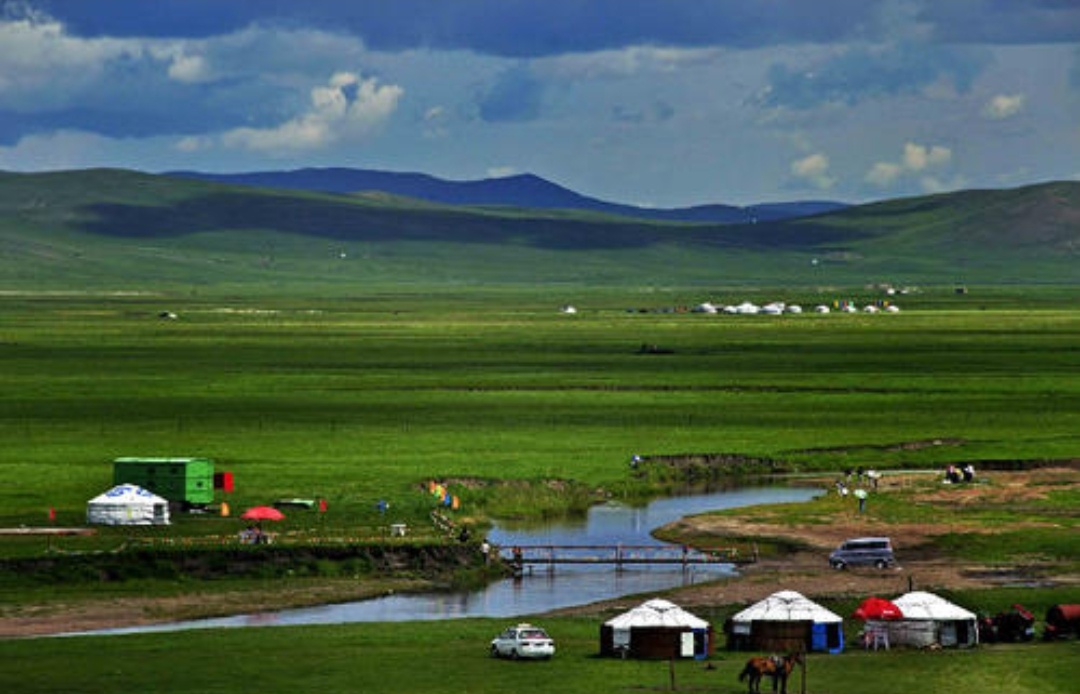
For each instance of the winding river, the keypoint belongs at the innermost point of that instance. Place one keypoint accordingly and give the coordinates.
(540, 590)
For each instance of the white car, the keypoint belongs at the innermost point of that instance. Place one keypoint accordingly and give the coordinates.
(523, 641)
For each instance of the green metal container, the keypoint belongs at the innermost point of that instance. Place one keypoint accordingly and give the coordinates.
(187, 481)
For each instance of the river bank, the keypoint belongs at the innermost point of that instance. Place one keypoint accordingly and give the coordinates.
(1024, 499)
(916, 511)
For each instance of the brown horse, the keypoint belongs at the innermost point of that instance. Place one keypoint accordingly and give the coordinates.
(776, 666)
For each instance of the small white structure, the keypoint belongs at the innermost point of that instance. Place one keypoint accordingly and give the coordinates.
(821, 308)
(773, 309)
(747, 308)
(656, 629)
(930, 620)
(568, 310)
(892, 308)
(785, 621)
(127, 504)
(705, 307)
(793, 308)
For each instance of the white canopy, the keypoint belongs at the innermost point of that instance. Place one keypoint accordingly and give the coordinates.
(127, 504)
(657, 613)
(787, 606)
(921, 605)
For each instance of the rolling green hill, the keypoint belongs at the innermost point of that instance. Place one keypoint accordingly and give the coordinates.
(123, 230)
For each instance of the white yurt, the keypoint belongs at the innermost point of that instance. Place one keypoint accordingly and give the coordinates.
(930, 620)
(656, 629)
(786, 621)
(127, 504)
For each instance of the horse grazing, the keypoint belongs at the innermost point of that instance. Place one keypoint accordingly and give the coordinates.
(775, 666)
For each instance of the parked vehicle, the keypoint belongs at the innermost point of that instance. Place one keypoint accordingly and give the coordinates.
(523, 641)
(1009, 626)
(863, 551)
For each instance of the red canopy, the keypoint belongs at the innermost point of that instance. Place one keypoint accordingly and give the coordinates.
(877, 608)
(262, 513)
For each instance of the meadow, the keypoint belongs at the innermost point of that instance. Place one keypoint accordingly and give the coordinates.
(361, 399)
(527, 411)
(451, 656)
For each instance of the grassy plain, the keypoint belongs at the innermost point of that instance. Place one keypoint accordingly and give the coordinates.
(357, 400)
(450, 657)
(360, 399)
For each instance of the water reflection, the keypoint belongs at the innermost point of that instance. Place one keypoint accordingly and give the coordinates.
(540, 590)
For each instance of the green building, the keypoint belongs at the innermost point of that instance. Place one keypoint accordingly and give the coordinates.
(185, 481)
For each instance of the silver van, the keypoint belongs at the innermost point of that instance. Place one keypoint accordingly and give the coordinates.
(863, 551)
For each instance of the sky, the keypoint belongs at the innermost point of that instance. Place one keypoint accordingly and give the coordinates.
(664, 103)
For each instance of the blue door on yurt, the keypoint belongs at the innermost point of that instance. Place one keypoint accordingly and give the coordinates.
(827, 637)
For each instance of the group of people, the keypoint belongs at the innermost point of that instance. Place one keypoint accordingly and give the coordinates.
(860, 492)
(955, 475)
(254, 535)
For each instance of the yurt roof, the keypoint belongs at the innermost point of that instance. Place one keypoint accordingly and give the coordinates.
(921, 605)
(128, 493)
(657, 613)
(787, 606)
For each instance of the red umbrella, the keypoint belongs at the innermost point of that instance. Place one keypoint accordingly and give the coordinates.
(261, 513)
(877, 608)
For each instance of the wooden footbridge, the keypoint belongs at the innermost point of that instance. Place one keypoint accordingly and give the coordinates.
(621, 555)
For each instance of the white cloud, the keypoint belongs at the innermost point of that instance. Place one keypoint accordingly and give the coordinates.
(883, 174)
(626, 62)
(919, 157)
(915, 160)
(193, 143)
(41, 66)
(1003, 106)
(813, 169)
(346, 109)
(501, 171)
(189, 68)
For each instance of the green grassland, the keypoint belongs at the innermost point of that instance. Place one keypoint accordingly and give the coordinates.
(355, 348)
(451, 656)
(361, 399)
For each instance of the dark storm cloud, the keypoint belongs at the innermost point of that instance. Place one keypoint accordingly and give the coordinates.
(520, 28)
(529, 28)
(1003, 21)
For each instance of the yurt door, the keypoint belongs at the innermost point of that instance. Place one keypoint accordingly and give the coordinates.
(686, 644)
(947, 636)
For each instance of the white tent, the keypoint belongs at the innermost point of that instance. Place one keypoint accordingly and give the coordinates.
(784, 618)
(127, 504)
(656, 629)
(930, 620)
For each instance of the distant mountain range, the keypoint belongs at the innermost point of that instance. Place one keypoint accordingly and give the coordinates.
(525, 190)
